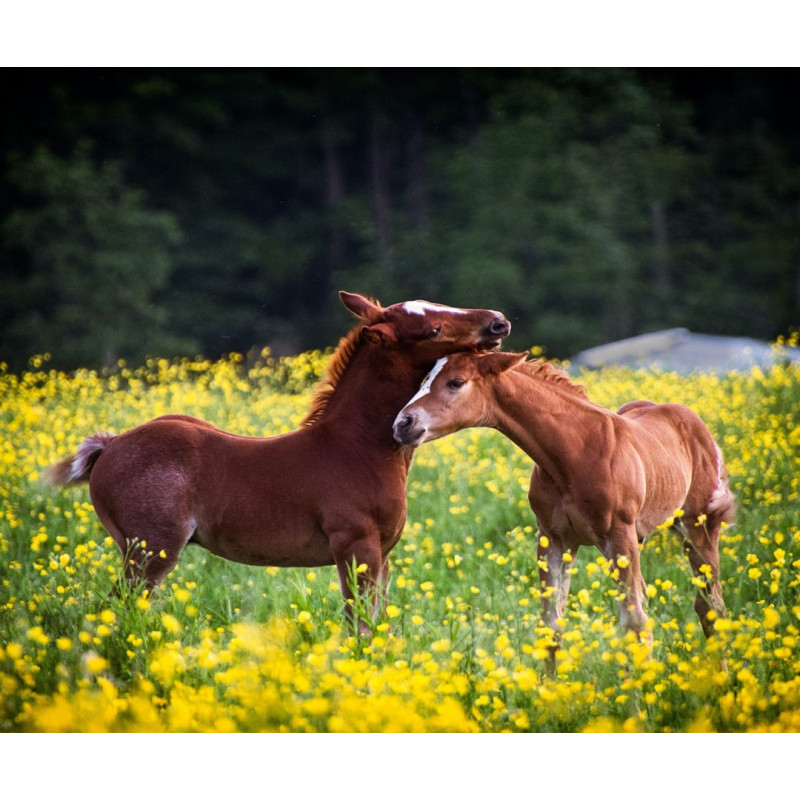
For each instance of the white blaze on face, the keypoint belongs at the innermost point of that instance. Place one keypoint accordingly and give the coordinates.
(426, 384)
(421, 306)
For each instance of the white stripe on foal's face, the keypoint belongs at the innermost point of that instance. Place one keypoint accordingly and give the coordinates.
(426, 384)
(421, 306)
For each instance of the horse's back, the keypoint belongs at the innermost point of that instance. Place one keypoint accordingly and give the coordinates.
(684, 435)
(655, 417)
(177, 450)
(196, 421)
(676, 428)
(153, 459)
(635, 408)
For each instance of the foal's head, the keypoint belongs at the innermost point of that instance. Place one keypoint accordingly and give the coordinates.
(408, 337)
(427, 331)
(454, 396)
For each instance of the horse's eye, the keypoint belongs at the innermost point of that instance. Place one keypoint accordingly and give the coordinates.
(435, 332)
(455, 383)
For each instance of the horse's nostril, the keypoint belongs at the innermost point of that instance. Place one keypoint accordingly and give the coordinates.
(405, 422)
(500, 327)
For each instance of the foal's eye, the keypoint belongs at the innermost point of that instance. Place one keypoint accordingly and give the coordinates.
(435, 332)
(455, 383)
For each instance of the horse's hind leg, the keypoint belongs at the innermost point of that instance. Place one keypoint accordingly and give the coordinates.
(152, 559)
(701, 542)
(150, 546)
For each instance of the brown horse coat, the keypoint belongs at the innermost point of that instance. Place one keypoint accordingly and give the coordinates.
(333, 491)
(599, 478)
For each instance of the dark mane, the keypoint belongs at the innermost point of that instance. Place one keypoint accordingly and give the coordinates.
(336, 367)
(545, 371)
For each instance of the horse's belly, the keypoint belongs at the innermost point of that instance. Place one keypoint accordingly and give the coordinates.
(651, 517)
(665, 496)
(269, 548)
(558, 514)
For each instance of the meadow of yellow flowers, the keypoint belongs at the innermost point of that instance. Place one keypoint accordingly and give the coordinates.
(225, 647)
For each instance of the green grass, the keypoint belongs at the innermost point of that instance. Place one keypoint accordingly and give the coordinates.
(463, 603)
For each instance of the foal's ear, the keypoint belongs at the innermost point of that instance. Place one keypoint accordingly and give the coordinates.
(358, 304)
(495, 363)
(380, 333)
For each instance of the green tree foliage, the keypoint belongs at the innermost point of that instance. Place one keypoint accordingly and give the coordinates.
(550, 205)
(87, 261)
(165, 211)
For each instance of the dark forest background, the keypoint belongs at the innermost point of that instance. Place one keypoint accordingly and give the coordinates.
(177, 212)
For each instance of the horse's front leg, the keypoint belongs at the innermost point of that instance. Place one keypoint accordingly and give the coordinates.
(622, 550)
(554, 580)
(383, 593)
(361, 567)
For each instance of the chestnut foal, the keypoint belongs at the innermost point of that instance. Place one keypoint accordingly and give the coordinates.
(331, 492)
(600, 478)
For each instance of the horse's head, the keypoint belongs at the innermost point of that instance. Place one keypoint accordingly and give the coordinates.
(427, 331)
(453, 396)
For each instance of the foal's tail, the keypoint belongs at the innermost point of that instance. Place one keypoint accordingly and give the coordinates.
(722, 505)
(78, 468)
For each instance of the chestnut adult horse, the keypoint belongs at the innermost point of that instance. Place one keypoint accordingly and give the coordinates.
(600, 478)
(331, 492)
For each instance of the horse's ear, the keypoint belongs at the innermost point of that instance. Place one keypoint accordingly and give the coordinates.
(380, 333)
(495, 363)
(358, 304)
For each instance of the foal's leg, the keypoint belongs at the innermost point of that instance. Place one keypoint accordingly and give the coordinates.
(554, 580)
(622, 549)
(152, 557)
(384, 583)
(701, 542)
(351, 550)
(150, 544)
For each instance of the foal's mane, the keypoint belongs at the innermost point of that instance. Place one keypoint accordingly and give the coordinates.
(340, 359)
(545, 371)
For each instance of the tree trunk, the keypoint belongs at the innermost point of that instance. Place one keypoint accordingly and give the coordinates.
(334, 195)
(417, 194)
(381, 194)
(661, 274)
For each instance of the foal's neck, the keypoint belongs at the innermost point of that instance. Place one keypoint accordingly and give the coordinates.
(374, 387)
(548, 422)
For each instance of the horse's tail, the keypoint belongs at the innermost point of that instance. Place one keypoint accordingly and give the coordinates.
(78, 468)
(722, 505)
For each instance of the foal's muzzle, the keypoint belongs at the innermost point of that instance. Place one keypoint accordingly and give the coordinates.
(404, 429)
(496, 330)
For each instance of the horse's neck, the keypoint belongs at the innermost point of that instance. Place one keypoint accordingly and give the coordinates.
(549, 423)
(374, 387)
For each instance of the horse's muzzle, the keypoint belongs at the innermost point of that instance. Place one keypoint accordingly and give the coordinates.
(404, 430)
(496, 330)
